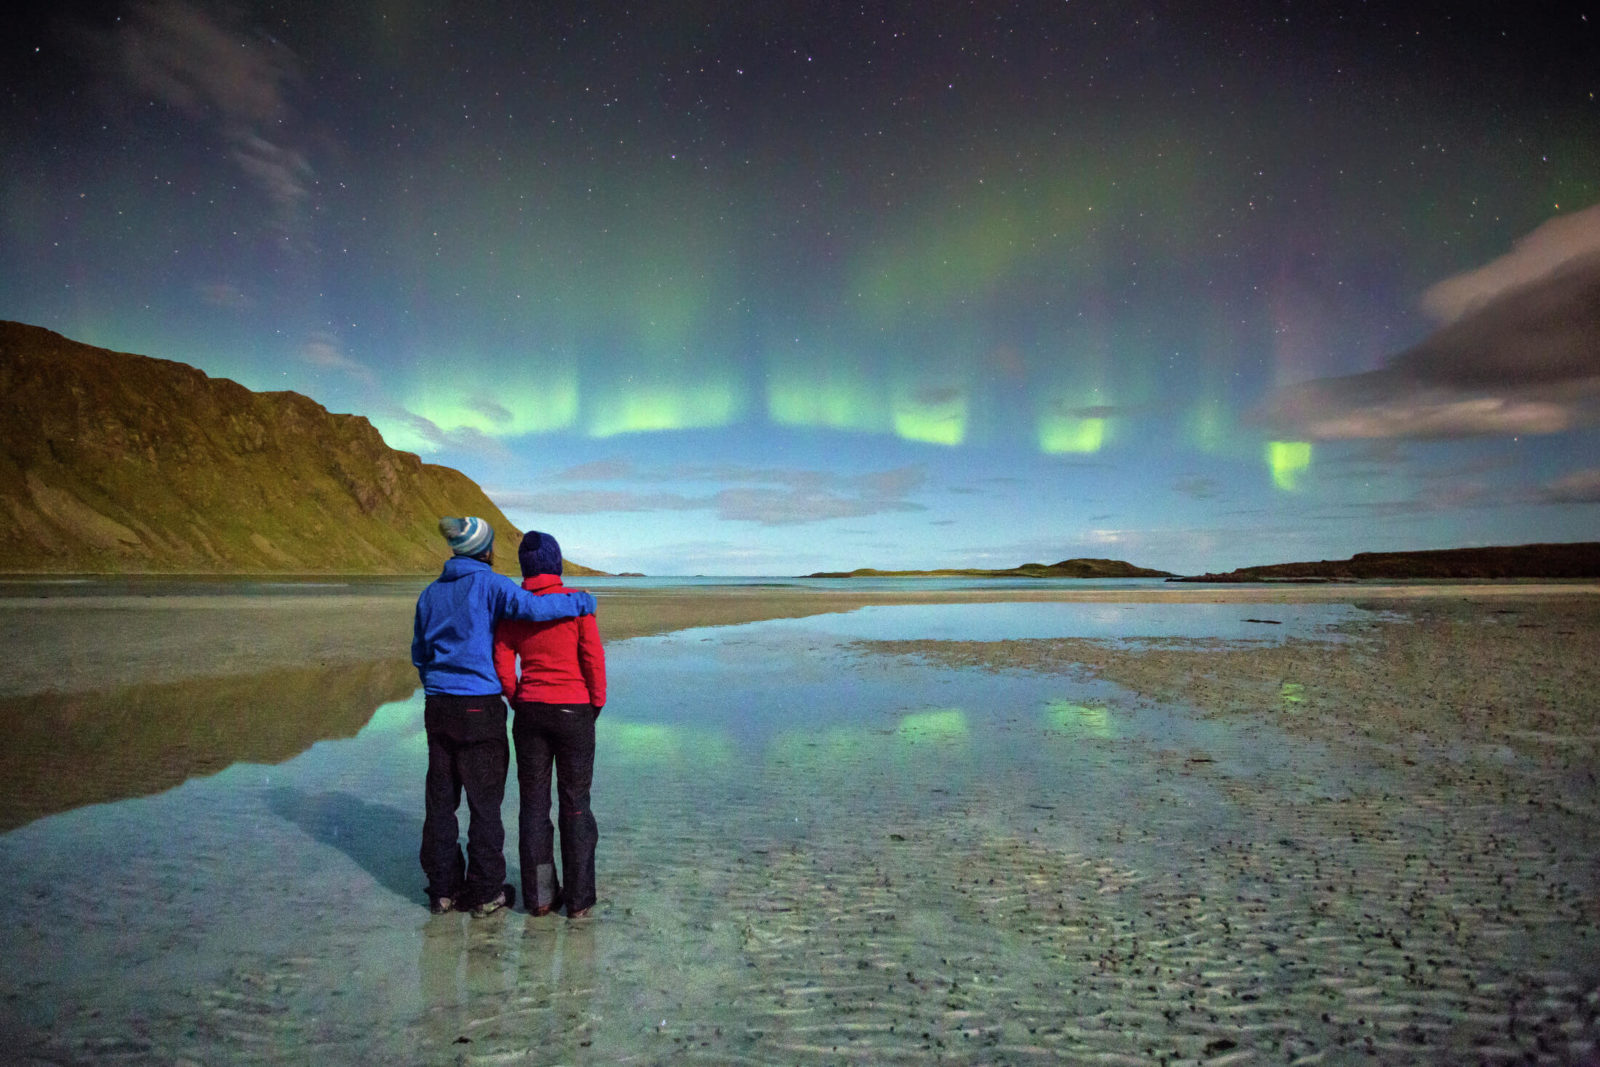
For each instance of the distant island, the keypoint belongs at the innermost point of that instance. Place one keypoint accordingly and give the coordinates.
(1067, 568)
(1578, 559)
(119, 463)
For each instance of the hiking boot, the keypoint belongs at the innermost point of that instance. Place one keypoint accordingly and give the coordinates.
(503, 899)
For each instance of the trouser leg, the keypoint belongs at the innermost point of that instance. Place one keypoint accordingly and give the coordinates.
(535, 835)
(574, 759)
(482, 766)
(440, 853)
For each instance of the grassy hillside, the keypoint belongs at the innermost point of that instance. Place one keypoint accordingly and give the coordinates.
(112, 462)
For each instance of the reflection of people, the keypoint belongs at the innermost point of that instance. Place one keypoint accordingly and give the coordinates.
(557, 694)
(452, 648)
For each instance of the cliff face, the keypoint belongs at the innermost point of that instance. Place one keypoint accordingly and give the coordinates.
(111, 462)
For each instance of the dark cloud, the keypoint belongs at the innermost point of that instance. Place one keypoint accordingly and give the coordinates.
(769, 496)
(491, 409)
(938, 395)
(322, 350)
(600, 470)
(778, 507)
(236, 81)
(1103, 411)
(597, 501)
(888, 483)
(1520, 356)
(1197, 488)
(225, 295)
(1460, 490)
(464, 439)
(1579, 487)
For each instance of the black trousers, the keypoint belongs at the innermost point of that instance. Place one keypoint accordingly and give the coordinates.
(467, 753)
(562, 736)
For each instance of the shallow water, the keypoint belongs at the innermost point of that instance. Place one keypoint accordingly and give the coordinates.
(807, 855)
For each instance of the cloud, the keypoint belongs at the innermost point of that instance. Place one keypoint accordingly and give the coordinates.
(185, 57)
(1546, 250)
(768, 496)
(596, 501)
(411, 430)
(778, 507)
(1074, 410)
(1197, 488)
(283, 174)
(601, 470)
(321, 350)
(1519, 353)
(225, 295)
(1452, 491)
(491, 409)
(1579, 487)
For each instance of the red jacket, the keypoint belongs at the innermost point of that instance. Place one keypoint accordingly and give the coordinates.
(562, 661)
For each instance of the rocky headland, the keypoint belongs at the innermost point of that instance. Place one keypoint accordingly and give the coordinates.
(1579, 559)
(119, 463)
(1067, 568)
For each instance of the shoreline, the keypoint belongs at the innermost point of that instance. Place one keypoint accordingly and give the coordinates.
(92, 643)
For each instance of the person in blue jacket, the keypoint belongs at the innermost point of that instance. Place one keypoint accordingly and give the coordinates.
(452, 647)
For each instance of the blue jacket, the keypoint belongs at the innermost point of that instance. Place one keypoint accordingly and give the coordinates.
(452, 643)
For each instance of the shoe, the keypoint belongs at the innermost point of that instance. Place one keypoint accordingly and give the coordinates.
(503, 899)
(581, 913)
(441, 905)
(546, 909)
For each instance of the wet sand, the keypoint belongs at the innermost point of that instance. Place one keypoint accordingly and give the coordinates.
(1376, 845)
(69, 644)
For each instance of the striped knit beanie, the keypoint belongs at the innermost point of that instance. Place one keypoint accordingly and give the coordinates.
(470, 536)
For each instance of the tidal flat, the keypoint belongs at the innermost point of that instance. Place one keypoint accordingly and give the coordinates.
(1348, 824)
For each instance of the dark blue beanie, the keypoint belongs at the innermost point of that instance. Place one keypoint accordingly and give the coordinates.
(539, 554)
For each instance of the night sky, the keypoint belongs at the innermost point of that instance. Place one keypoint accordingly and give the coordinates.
(767, 288)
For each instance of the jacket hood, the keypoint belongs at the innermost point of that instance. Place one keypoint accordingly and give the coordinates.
(538, 583)
(458, 567)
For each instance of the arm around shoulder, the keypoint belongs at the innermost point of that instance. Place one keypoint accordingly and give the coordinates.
(534, 607)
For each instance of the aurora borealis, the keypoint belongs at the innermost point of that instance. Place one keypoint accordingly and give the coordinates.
(733, 288)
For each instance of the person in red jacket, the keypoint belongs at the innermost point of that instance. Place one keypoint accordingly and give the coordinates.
(557, 694)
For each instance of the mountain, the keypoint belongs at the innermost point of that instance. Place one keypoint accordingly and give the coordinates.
(113, 462)
(1580, 559)
(1067, 568)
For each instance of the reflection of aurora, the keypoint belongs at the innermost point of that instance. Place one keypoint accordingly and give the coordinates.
(939, 723)
(636, 744)
(839, 750)
(1080, 720)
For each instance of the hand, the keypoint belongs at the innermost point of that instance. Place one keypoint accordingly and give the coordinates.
(598, 708)
(585, 602)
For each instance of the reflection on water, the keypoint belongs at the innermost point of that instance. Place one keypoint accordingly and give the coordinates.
(807, 855)
(1020, 621)
(66, 750)
(1085, 720)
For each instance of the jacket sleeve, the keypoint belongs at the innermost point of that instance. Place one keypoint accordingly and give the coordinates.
(516, 602)
(505, 658)
(592, 659)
